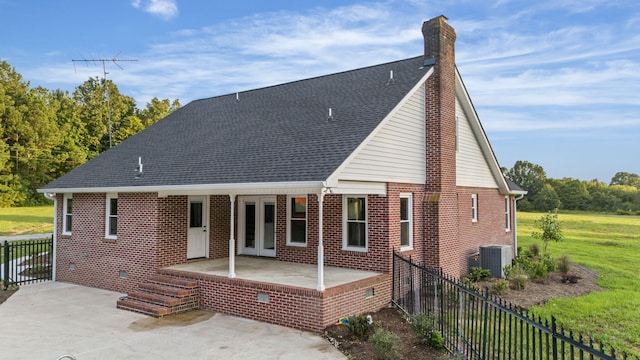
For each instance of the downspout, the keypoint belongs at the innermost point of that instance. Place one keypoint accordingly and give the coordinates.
(52, 196)
(515, 224)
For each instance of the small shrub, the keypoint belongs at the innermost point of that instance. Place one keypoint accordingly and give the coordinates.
(523, 260)
(478, 274)
(359, 326)
(564, 264)
(387, 344)
(499, 287)
(538, 271)
(436, 340)
(537, 267)
(517, 277)
(534, 250)
(550, 263)
(507, 270)
(469, 284)
(422, 325)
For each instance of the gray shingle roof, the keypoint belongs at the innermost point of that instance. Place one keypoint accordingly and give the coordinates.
(273, 134)
(513, 186)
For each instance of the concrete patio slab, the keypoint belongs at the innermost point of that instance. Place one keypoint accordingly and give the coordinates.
(47, 320)
(279, 272)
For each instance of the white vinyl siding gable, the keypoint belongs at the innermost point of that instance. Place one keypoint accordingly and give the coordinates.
(396, 150)
(472, 168)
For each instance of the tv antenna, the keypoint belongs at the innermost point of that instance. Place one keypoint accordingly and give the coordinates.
(104, 62)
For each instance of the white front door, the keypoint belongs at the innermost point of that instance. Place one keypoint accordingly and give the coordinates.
(197, 233)
(257, 225)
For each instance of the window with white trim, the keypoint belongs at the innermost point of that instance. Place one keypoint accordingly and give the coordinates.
(67, 213)
(474, 207)
(354, 225)
(111, 217)
(406, 221)
(297, 224)
(507, 213)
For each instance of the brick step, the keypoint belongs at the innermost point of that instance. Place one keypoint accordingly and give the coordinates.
(143, 307)
(163, 300)
(166, 290)
(172, 281)
(162, 295)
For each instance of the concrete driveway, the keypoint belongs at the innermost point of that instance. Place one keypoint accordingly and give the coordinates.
(47, 320)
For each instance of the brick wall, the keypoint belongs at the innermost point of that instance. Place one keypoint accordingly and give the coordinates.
(351, 299)
(85, 257)
(220, 216)
(376, 258)
(393, 196)
(172, 230)
(299, 254)
(295, 307)
(488, 230)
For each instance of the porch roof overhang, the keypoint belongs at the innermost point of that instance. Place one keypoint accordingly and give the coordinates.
(295, 187)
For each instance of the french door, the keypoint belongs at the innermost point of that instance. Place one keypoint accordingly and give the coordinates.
(257, 225)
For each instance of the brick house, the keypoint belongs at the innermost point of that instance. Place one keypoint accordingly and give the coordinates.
(285, 204)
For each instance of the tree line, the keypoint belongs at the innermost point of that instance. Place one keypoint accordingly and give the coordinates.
(621, 195)
(46, 133)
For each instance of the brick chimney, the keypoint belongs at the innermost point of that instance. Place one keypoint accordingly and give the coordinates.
(441, 209)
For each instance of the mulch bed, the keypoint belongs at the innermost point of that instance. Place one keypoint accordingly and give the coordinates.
(535, 293)
(390, 319)
(538, 293)
(5, 294)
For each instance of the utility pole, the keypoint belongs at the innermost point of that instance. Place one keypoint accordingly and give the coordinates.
(104, 62)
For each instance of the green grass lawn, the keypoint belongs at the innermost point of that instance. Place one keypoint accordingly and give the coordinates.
(611, 246)
(26, 220)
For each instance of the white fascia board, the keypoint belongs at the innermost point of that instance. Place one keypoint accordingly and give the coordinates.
(204, 189)
(333, 178)
(481, 136)
(309, 187)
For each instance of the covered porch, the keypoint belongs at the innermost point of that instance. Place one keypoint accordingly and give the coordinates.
(268, 270)
(284, 293)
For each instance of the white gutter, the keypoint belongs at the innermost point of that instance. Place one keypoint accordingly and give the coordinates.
(222, 189)
(52, 196)
(515, 223)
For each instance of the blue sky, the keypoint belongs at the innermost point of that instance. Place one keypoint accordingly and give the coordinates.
(556, 83)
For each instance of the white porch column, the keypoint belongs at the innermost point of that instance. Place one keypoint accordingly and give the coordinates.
(320, 244)
(232, 240)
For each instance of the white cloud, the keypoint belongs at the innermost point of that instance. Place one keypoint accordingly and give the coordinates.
(165, 9)
(522, 72)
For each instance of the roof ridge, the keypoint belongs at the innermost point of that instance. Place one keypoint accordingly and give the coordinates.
(307, 79)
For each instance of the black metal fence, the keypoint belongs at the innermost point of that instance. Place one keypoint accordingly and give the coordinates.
(26, 261)
(479, 326)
